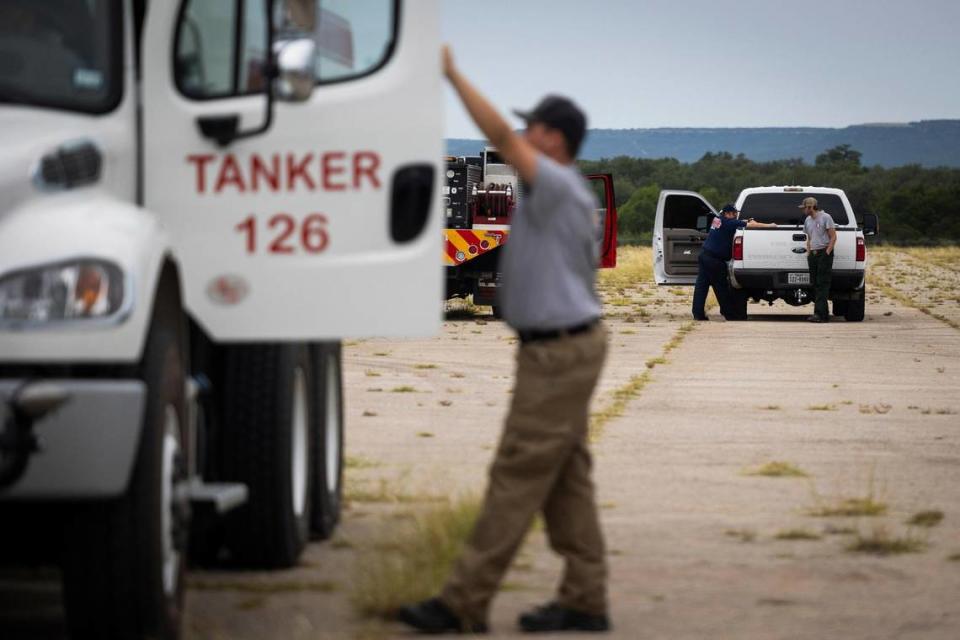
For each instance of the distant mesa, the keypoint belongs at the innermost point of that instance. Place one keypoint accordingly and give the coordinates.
(930, 143)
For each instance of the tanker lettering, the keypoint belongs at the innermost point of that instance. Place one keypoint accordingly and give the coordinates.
(285, 173)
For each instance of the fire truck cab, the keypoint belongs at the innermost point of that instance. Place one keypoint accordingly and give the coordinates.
(198, 200)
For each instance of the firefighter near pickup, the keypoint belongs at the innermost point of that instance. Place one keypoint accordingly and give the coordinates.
(712, 262)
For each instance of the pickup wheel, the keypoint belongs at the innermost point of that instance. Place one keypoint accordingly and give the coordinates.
(856, 307)
(123, 569)
(327, 438)
(840, 307)
(267, 444)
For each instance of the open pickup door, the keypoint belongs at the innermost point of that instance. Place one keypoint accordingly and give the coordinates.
(679, 231)
(602, 184)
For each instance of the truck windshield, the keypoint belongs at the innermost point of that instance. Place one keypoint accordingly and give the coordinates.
(61, 53)
(783, 208)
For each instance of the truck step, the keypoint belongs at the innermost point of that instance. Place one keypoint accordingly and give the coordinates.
(216, 497)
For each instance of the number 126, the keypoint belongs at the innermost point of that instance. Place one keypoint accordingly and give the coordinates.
(285, 236)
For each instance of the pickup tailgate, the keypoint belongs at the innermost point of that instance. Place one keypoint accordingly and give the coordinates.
(784, 249)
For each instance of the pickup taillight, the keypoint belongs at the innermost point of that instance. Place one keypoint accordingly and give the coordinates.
(861, 250)
(738, 248)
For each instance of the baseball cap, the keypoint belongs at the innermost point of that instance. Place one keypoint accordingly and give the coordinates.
(808, 202)
(729, 208)
(562, 114)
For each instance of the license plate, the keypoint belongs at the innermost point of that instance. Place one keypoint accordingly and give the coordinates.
(798, 278)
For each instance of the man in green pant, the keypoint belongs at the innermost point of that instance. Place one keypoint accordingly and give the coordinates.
(542, 464)
(821, 238)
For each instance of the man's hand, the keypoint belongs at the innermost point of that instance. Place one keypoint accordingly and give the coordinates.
(449, 68)
(514, 148)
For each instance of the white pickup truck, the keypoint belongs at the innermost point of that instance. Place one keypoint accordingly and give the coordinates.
(767, 264)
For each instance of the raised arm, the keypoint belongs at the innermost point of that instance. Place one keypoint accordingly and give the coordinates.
(753, 224)
(511, 146)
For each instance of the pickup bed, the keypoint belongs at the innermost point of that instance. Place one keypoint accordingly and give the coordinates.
(768, 264)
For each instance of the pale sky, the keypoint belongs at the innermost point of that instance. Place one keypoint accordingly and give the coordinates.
(712, 63)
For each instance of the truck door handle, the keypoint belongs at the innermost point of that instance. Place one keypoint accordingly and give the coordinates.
(799, 237)
(410, 201)
(799, 249)
(222, 128)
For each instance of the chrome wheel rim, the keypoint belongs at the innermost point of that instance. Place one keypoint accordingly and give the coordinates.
(298, 444)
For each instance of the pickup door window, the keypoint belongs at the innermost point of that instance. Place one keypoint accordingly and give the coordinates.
(678, 235)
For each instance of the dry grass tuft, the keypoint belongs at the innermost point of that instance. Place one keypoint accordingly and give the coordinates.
(412, 564)
(359, 462)
(404, 389)
(778, 469)
(882, 543)
(797, 534)
(743, 535)
(264, 586)
(850, 507)
(927, 519)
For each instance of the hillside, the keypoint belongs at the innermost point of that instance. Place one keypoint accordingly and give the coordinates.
(930, 143)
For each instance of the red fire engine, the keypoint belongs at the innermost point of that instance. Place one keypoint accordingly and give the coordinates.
(481, 194)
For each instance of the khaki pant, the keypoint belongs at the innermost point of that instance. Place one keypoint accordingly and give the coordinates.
(542, 465)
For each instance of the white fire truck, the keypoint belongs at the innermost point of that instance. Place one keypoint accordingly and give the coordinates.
(198, 200)
(479, 198)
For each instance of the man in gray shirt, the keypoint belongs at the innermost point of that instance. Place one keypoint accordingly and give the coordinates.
(821, 238)
(542, 464)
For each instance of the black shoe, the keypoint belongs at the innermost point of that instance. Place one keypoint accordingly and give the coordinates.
(703, 319)
(815, 318)
(432, 616)
(555, 617)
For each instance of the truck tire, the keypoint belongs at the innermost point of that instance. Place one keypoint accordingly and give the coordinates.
(124, 559)
(738, 303)
(266, 443)
(856, 307)
(840, 307)
(328, 438)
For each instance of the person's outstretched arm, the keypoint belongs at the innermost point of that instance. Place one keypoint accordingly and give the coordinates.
(511, 146)
(753, 224)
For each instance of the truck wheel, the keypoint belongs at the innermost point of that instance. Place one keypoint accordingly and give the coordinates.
(267, 445)
(840, 307)
(497, 311)
(738, 302)
(124, 563)
(856, 307)
(327, 439)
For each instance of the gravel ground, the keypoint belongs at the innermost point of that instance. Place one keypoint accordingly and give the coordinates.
(864, 409)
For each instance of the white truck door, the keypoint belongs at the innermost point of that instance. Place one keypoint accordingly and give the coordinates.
(680, 227)
(327, 223)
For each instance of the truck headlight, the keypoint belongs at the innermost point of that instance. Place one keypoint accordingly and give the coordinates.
(74, 290)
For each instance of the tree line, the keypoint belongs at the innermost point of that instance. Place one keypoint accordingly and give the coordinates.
(915, 205)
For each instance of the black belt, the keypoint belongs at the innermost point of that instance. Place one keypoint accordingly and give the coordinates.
(711, 254)
(534, 335)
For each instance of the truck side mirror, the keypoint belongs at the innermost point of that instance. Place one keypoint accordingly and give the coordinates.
(702, 224)
(871, 224)
(296, 62)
